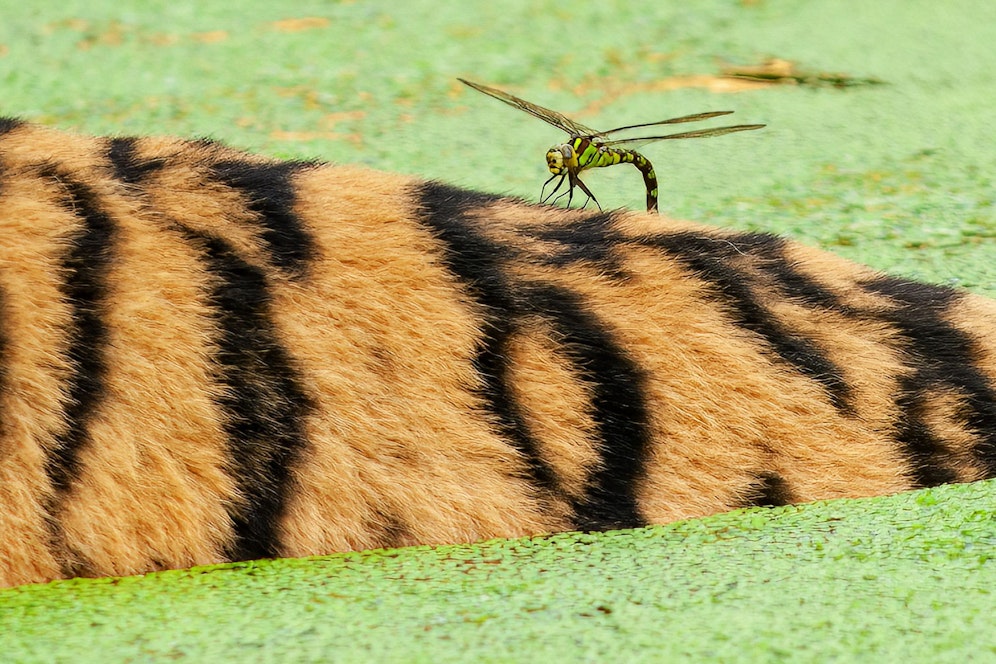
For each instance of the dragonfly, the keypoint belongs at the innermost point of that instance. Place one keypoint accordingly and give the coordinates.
(588, 148)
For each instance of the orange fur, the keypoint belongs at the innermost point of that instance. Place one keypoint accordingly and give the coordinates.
(207, 355)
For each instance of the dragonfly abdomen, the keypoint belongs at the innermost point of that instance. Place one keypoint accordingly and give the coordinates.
(606, 156)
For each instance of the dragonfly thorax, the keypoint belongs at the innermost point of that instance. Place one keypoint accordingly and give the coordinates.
(581, 153)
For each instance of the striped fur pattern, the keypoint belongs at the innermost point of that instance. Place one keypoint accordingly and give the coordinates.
(207, 355)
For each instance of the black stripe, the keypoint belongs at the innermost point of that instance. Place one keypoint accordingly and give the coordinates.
(793, 284)
(264, 402)
(9, 124)
(942, 357)
(269, 192)
(711, 259)
(86, 267)
(939, 357)
(620, 410)
(589, 240)
(477, 262)
(127, 166)
(923, 448)
(392, 531)
(769, 489)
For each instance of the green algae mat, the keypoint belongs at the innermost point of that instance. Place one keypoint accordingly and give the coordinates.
(878, 146)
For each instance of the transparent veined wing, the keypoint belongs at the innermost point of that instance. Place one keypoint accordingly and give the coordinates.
(633, 143)
(695, 117)
(554, 118)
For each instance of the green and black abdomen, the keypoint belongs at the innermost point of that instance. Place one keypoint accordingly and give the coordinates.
(613, 156)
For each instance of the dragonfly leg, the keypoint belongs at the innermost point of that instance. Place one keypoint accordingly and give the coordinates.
(545, 197)
(569, 193)
(591, 197)
(571, 178)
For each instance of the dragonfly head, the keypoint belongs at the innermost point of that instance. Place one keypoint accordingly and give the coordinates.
(559, 158)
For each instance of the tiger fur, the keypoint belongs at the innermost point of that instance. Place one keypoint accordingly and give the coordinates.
(207, 356)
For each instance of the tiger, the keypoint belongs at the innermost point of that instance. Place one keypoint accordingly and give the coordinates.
(208, 355)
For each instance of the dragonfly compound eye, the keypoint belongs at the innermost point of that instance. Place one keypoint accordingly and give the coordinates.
(555, 160)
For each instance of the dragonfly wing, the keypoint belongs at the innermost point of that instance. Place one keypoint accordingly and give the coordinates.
(558, 120)
(695, 117)
(633, 143)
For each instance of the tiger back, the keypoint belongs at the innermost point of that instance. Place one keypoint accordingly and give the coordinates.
(207, 355)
